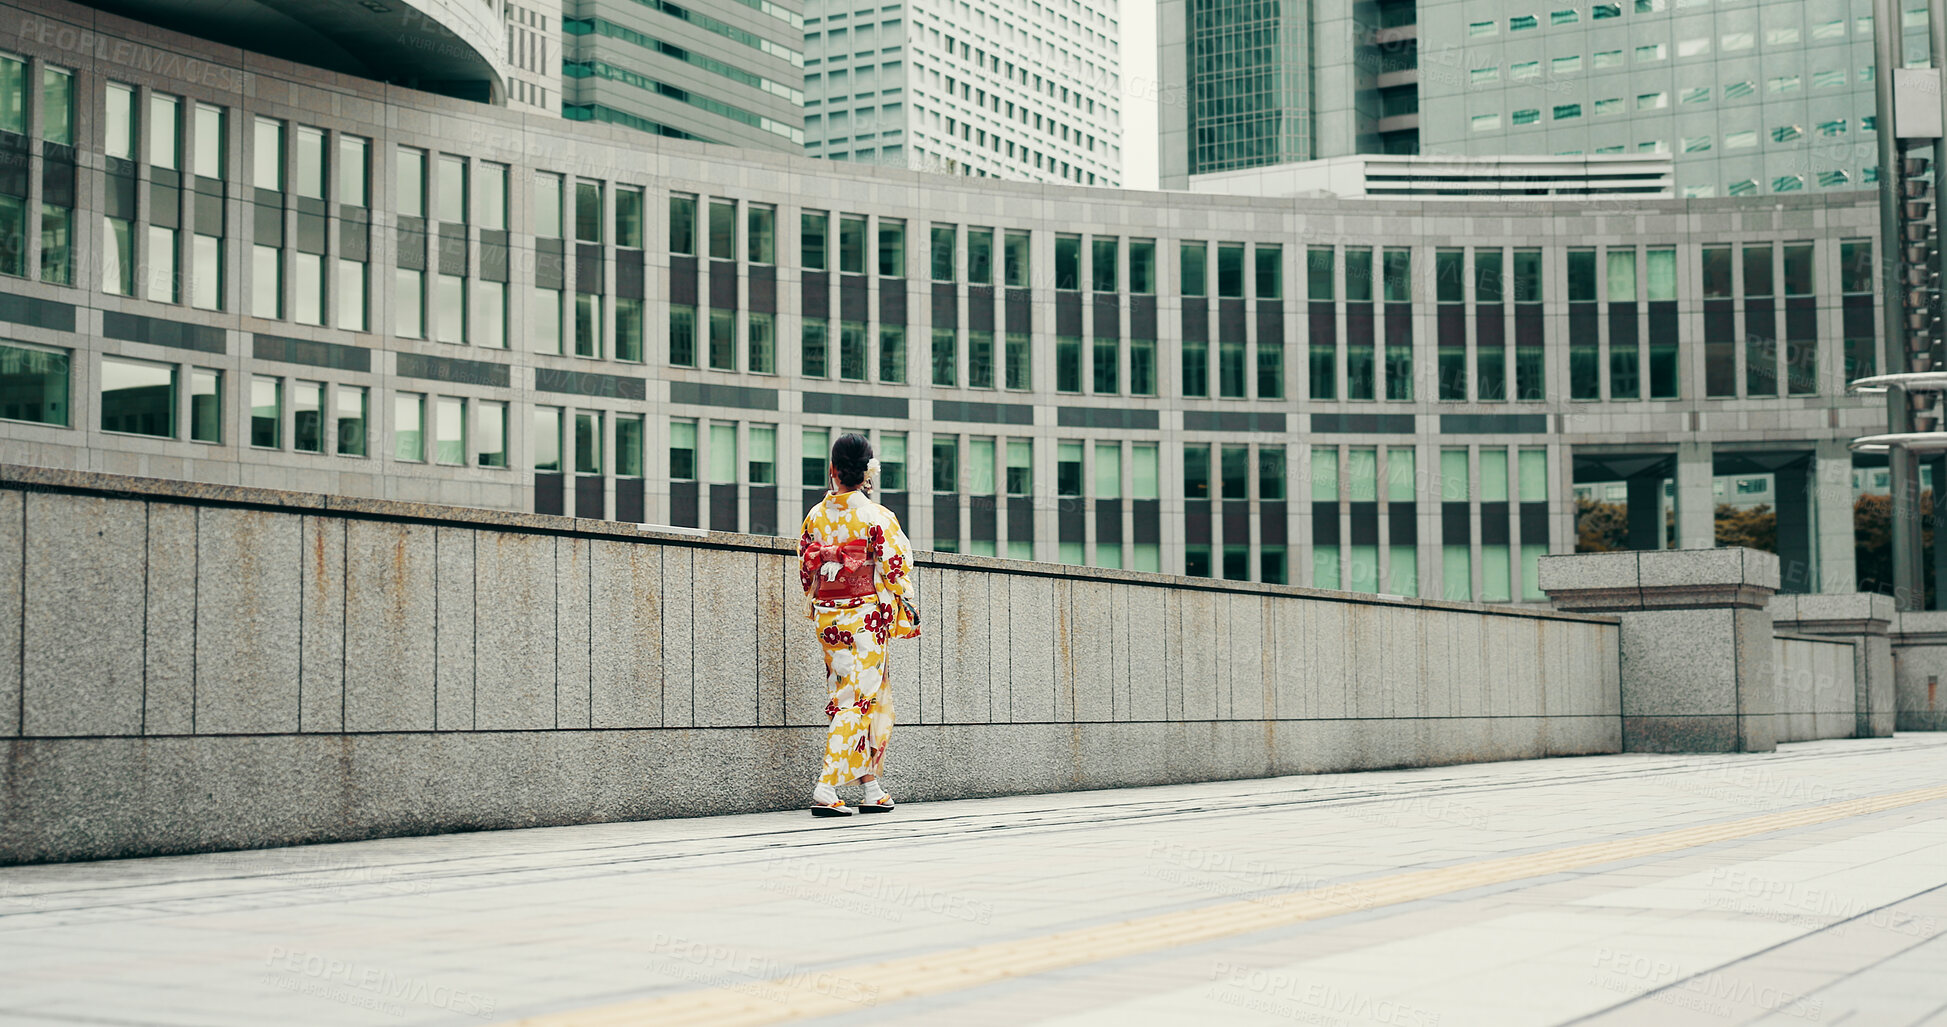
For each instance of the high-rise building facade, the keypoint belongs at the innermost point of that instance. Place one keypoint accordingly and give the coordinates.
(534, 56)
(1746, 97)
(718, 71)
(1019, 89)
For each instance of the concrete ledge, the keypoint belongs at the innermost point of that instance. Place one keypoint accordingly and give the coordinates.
(1659, 579)
(99, 798)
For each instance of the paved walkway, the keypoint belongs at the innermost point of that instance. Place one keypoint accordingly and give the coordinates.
(1806, 886)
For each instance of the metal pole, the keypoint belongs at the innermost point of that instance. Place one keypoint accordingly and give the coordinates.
(1908, 586)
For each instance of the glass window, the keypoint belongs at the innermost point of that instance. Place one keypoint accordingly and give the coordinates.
(1325, 474)
(1270, 270)
(813, 227)
(892, 352)
(351, 295)
(946, 463)
(453, 204)
(723, 340)
(489, 195)
(166, 130)
(1757, 271)
(1068, 262)
(761, 233)
(1194, 273)
(1798, 269)
(267, 413)
(723, 229)
(980, 256)
(307, 417)
(1319, 270)
(1196, 471)
(588, 325)
(814, 347)
(980, 466)
(119, 119)
(1230, 270)
(490, 427)
(159, 278)
(682, 335)
(1581, 276)
(1068, 469)
(1108, 470)
(1103, 271)
(548, 198)
(547, 443)
(544, 320)
(1622, 276)
(1018, 356)
(1235, 467)
(1019, 260)
(590, 441)
(308, 288)
(57, 105)
(34, 384)
(409, 182)
(812, 454)
(892, 248)
(682, 450)
(409, 303)
(352, 403)
(1142, 267)
(1398, 267)
(1662, 276)
(761, 344)
(310, 163)
(980, 359)
(628, 329)
(409, 426)
(763, 454)
(354, 170)
(267, 155)
(1358, 274)
(628, 219)
(892, 461)
(851, 244)
(851, 350)
(682, 224)
(205, 405)
(1270, 473)
(267, 282)
(723, 453)
(941, 247)
(449, 431)
(588, 211)
(1020, 467)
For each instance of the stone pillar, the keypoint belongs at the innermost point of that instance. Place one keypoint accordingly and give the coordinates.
(1835, 550)
(1696, 496)
(1866, 619)
(1696, 642)
(1920, 670)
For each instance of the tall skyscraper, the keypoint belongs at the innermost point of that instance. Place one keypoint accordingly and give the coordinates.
(1746, 98)
(534, 55)
(720, 71)
(1018, 89)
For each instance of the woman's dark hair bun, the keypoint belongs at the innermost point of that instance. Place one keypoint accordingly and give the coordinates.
(850, 454)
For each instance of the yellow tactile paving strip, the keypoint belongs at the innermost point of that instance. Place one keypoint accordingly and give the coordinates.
(841, 990)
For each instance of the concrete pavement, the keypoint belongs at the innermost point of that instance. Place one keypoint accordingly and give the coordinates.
(1804, 886)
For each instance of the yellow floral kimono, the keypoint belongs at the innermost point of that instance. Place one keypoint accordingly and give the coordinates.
(857, 633)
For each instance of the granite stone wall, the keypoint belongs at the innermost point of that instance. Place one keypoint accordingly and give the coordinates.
(195, 667)
(1817, 689)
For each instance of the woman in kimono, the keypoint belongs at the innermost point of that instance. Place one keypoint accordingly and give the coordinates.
(856, 568)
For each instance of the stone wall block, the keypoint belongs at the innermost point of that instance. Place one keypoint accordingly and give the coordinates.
(572, 645)
(83, 629)
(679, 642)
(514, 668)
(391, 624)
(1031, 649)
(171, 657)
(626, 664)
(454, 669)
(249, 575)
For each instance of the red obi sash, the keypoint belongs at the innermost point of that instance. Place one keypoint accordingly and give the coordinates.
(855, 577)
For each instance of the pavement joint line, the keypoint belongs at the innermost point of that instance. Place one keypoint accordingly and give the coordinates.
(810, 994)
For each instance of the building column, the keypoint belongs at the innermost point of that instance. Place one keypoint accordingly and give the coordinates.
(1696, 496)
(1695, 642)
(1646, 510)
(1835, 548)
(1792, 485)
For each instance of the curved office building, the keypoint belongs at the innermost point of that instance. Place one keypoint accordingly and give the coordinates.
(276, 277)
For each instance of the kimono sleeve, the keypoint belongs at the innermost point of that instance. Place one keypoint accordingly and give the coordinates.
(807, 540)
(896, 558)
